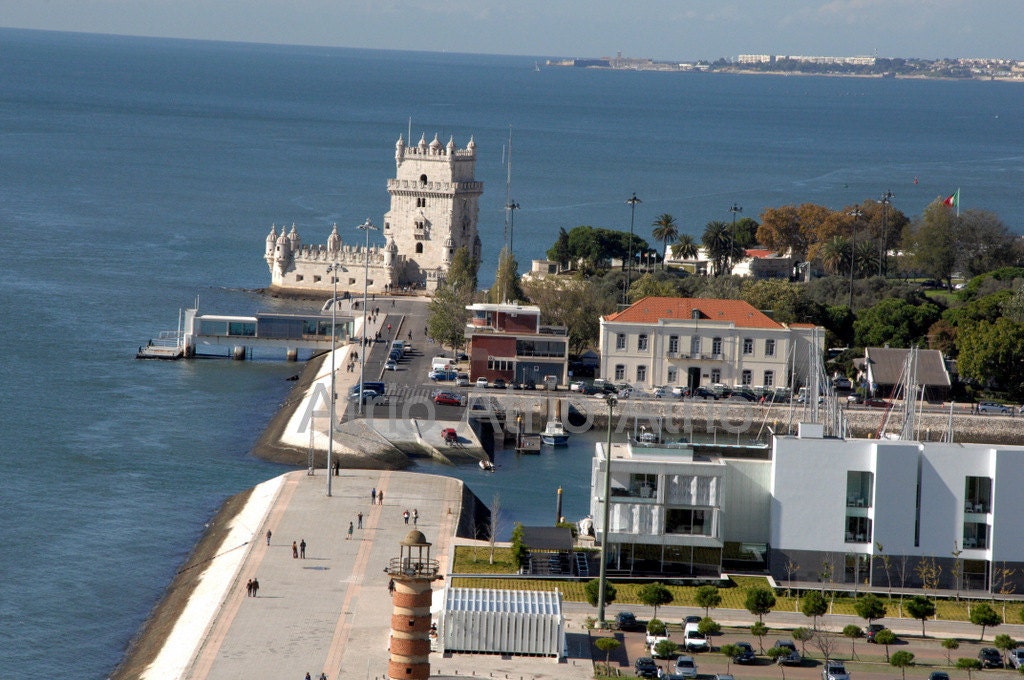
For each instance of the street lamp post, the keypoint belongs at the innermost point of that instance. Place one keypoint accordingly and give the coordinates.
(886, 200)
(632, 217)
(603, 577)
(333, 271)
(736, 208)
(366, 226)
(856, 215)
(512, 207)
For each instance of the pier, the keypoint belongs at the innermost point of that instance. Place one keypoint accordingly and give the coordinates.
(239, 337)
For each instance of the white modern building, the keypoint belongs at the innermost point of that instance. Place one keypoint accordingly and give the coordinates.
(434, 210)
(677, 512)
(881, 512)
(694, 342)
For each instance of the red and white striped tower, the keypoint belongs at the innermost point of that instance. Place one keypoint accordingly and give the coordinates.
(413, 572)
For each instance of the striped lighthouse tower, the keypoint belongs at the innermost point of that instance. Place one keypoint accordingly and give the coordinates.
(413, 572)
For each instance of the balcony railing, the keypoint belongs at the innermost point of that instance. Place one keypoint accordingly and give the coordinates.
(412, 566)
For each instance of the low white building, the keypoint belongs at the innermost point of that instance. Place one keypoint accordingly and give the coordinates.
(488, 621)
(694, 342)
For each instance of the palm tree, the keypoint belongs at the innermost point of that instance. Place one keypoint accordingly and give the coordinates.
(835, 254)
(721, 246)
(665, 230)
(685, 248)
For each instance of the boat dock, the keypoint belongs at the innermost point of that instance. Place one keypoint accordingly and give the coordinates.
(239, 337)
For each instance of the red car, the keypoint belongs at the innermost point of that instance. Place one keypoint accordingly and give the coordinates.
(876, 403)
(447, 398)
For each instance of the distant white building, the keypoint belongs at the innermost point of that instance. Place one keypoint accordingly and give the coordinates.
(434, 211)
(694, 342)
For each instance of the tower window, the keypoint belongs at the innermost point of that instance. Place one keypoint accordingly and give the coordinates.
(419, 247)
(423, 180)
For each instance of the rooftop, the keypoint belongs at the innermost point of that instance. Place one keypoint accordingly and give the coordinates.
(655, 309)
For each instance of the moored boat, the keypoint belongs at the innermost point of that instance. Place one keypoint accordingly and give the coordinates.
(555, 434)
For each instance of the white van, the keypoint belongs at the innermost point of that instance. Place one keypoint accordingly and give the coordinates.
(693, 639)
(441, 363)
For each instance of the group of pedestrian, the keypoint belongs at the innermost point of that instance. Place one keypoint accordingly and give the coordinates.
(299, 549)
(252, 587)
(415, 516)
(323, 676)
(376, 497)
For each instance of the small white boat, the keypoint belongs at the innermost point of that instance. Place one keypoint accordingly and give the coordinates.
(487, 466)
(555, 434)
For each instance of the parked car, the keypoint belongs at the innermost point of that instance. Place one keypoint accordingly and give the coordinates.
(645, 667)
(746, 654)
(448, 398)
(659, 393)
(462, 380)
(834, 670)
(791, 657)
(686, 666)
(1017, 658)
(704, 393)
(627, 621)
(390, 365)
(872, 630)
(693, 639)
(498, 384)
(587, 388)
(855, 398)
(841, 383)
(723, 676)
(990, 657)
(992, 407)
(691, 619)
(442, 374)
(875, 402)
(481, 382)
(652, 645)
(938, 675)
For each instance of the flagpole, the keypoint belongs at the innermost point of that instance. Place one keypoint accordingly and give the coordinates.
(958, 201)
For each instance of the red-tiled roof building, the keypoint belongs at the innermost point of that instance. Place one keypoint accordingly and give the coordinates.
(695, 341)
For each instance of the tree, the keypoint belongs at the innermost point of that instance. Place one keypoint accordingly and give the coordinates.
(650, 286)
(853, 631)
(1004, 643)
(721, 246)
(813, 604)
(894, 322)
(885, 637)
(447, 314)
(494, 525)
(869, 607)
(707, 597)
(708, 626)
(666, 649)
(576, 303)
(665, 230)
(802, 635)
(774, 653)
(654, 595)
(759, 601)
(759, 630)
(685, 248)
(834, 255)
(592, 591)
(968, 664)
(730, 651)
(519, 550)
(607, 645)
(932, 243)
(825, 642)
(950, 644)
(983, 615)
(744, 232)
(656, 626)
(992, 353)
(984, 243)
(560, 252)
(901, 660)
(506, 286)
(921, 608)
(463, 270)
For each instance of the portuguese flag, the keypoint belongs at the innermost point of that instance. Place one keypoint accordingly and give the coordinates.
(953, 200)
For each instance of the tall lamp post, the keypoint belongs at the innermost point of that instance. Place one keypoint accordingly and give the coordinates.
(856, 215)
(632, 217)
(511, 207)
(603, 577)
(736, 208)
(883, 256)
(366, 226)
(333, 270)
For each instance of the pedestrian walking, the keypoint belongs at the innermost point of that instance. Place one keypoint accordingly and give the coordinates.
(405, 516)
(307, 677)
(415, 515)
(349, 537)
(391, 586)
(337, 468)
(255, 586)
(295, 550)
(359, 518)
(302, 549)
(373, 495)
(269, 534)
(380, 498)
(248, 588)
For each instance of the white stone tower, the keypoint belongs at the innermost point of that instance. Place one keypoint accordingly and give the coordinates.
(434, 207)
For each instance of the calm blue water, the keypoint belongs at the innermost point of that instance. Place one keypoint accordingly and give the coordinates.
(136, 174)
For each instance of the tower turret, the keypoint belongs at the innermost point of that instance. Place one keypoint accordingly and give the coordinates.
(334, 241)
(271, 241)
(293, 236)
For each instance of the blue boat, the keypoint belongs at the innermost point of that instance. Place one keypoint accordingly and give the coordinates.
(554, 434)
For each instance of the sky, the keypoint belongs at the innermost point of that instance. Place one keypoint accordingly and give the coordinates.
(659, 29)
